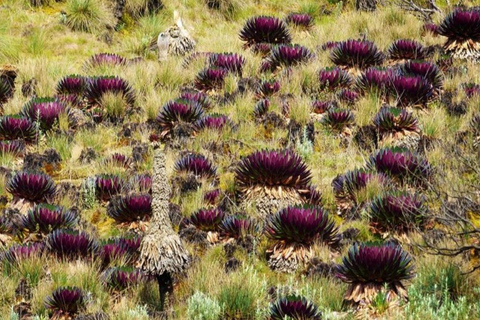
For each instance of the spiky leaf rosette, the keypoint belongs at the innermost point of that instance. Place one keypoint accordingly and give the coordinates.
(411, 90)
(141, 183)
(400, 163)
(36, 187)
(431, 28)
(279, 170)
(119, 160)
(393, 120)
(69, 244)
(262, 49)
(320, 107)
(288, 55)
(346, 186)
(197, 165)
(295, 308)
(268, 88)
(113, 251)
(347, 96)
(197, 97)
(375, 79)
(17, 127)
(406, 49)
(130, 208)
(428, 70)
(65, 301)
(47, 217)
(121, 278)
(302, 20)
(107, 186)
(232, 62)
(212, 197)
(104, 59)
(214, 121)
(264, 29)
(462, 29)
(210, 79)
(72, 84)
(5, 91)
(398, 211)
(99, 86)
(329, 45)
(207, 219)
(178, 111)
(359, 54)
(338, 119)
(333, 78)
(301, 225)
(370, 266)
(471, 89)
(475, 124)
(44, 110)
(261, 108)
(13, 147)
(18, 253)
(238, 226)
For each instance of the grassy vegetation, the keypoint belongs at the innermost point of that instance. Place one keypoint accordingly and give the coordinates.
(48, 41)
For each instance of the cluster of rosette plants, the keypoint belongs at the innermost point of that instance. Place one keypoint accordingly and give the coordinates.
(260, 199)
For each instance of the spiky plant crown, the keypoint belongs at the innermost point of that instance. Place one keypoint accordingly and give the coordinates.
(105, 59)
(112, 251)
(320, 107)
(348, 96)
(294, 307)
(72, 84)
(348, 184)
(268, 88)
(36, 187)
(431, 28)
(401, 163)
(462, 29)
(121, 278)
(44, 110)
(212, 197)
(65, 301)
(197, 165)
(119, 160)
(197, 97)
(238, 226)
(263, 49)
(302, 20)
(69, 244)
(47, 217)
(130, 208)
(301, 225)
(214, 121)
(471, 89)
(132, 243)
(338, 119)
(232, 62)
(289, 55)
(272, 169)
(264, 29)
(207, 219)
(210, 79)
(333, 78)
(17, 127)
(375, 263)
(98, 86)
(177, 111)
(359, 54)
(390, 119)
(268, 66)
(329, 45)
(375, 79)
(107, 186)
(6, 91)
(14, 147)
(406, 49)
(142, 183)
(428, 70)
(261, 108)
(411, 90)
(475, 123)
(399, 211)
(18, 253)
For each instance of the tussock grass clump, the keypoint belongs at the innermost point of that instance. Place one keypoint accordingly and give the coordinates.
(88, 15)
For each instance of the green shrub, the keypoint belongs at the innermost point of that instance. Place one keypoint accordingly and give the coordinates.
(88, 15)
